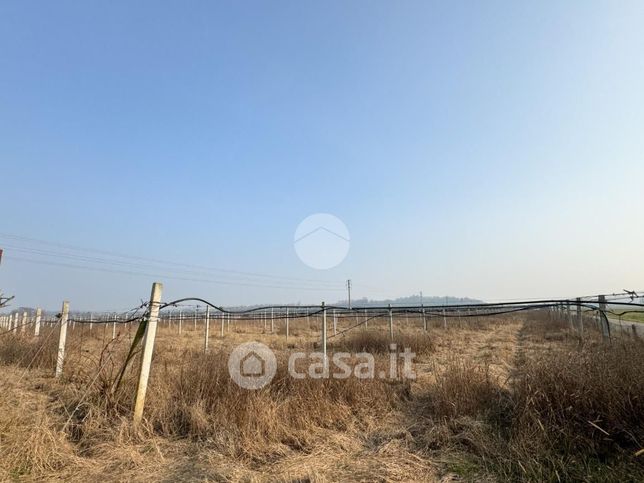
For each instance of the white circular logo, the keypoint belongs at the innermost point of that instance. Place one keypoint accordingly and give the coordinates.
(252, 365)
(322, 241)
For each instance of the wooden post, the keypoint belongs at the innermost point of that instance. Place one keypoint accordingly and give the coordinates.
(391, 324)
(62, 337)
(148, 349)
(205, 341)
(37, 324)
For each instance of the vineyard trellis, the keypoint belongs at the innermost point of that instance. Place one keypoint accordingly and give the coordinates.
(581, 313)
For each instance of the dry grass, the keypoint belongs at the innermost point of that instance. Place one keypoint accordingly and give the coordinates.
(195, 397)
(377, 341)
(29, 352)
(492, 402)
(569, 413)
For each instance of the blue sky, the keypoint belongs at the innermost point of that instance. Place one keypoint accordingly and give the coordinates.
(488, 149)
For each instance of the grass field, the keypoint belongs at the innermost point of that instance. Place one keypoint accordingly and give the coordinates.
(512, 398)
(634, 317)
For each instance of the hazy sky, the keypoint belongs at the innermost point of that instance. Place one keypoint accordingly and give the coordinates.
(484, 149)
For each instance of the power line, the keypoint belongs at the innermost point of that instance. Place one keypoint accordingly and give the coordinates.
(161, 262)
(157, 275)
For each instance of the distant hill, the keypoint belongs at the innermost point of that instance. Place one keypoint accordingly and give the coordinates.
(365, 302)
(411, 300)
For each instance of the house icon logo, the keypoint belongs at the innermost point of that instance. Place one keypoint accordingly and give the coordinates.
(252, 365)
(322, 241)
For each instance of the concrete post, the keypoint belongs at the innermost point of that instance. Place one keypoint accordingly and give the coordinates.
(444, 320)
(223, 320)
(569, 317)
(335, 322)
(326, 361)
(23, 324)
(391, 324)
(424, 318)
(580, 320)
(37, 324)
(287, 321)
(148, 349)
(207, 331)
(602, 317)
(62, 337)
(180, 320)
(113, 330)
(272, 321)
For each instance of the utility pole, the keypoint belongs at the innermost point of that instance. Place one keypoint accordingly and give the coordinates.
(349, 292)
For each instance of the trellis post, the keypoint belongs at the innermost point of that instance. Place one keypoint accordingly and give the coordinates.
(326, 362)
(603, 319)
(37, 322)
(62, 337)
(205, 341)
(287, 323)
(580, 319)
(424, 317)
(148, 349)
